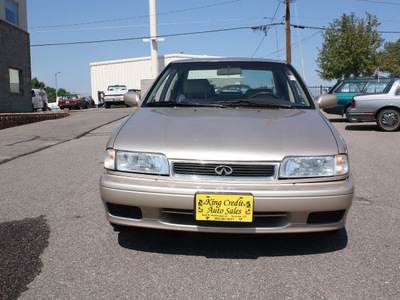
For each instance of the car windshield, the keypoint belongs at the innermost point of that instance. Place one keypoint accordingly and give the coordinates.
(69, 97)
(117, 88)
(230, 84)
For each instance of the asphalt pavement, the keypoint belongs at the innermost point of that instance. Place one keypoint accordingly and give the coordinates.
(28, 139)
(56, 243)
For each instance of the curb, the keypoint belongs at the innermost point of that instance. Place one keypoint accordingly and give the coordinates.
(16, 119)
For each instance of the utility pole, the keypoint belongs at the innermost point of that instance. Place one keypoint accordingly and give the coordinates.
(288, 42)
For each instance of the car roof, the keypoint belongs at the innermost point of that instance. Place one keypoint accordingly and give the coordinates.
(356, 79)
(197, 60)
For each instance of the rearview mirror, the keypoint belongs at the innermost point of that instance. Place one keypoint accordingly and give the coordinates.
(327, 100)
(132, 99)
(229, 71)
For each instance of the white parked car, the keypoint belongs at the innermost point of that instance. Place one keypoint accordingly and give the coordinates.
(39, 99)
(383, 108)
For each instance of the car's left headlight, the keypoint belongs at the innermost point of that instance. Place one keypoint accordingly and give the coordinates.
(314, 166)
(136, 162)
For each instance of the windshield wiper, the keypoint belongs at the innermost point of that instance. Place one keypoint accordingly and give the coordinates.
(252, 103)
(182, 104)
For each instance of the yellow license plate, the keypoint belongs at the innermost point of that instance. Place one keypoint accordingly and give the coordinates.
(224, 208)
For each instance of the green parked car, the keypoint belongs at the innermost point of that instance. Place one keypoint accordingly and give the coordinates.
(346, 89)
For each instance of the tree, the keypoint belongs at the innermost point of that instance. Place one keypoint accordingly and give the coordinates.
(61, 92)
(51, 93)
(390, 58)
(36, 84)
(350, 47)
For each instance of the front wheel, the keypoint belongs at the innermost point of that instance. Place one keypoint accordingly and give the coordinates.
(107, 105)
(388, 120)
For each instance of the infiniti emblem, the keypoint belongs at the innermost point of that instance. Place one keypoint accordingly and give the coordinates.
(223, 170)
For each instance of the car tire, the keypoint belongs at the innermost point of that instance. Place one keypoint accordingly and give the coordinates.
(388, 120)
(106, 105)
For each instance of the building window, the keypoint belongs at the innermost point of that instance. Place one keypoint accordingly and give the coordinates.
(15, 81)
(12, 12)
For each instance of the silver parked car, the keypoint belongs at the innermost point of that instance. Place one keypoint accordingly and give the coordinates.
(383, 108)
(263, 160)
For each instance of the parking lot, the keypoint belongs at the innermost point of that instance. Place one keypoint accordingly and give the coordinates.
(56, 243)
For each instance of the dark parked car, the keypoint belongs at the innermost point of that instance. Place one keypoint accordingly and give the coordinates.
(346, 89)
(72, 101)
(90, 102)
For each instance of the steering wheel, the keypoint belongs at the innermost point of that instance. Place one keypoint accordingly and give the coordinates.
(265, 93)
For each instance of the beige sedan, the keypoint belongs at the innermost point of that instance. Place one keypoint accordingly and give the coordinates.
(195, 158)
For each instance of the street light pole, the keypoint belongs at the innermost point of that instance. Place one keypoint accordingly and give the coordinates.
(56, 84)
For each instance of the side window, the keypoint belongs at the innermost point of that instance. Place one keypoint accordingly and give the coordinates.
(375, 87)
(351, 87)
(162, 88)
(168, 95)
(397, 92)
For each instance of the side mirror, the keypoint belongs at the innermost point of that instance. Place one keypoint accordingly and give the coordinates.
(132, 99)
(327, 100)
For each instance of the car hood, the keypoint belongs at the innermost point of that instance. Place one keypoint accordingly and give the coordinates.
(221, 134)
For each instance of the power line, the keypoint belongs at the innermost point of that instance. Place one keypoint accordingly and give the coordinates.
(187, 33)
(380, 2)
(138, 17)
(142, 25)
(147, 37)
(266, 30)
(294, 45)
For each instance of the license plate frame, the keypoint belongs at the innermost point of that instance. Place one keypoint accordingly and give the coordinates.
(226, 207)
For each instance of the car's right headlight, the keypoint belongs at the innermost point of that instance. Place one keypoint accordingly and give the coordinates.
(314, 166)
(136, 162)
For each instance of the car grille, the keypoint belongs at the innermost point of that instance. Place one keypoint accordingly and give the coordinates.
(260, 171)
(260, 219)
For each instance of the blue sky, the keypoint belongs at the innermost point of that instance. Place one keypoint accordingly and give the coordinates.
(56, 21)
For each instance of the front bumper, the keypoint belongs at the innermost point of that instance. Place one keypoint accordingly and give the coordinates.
(113, 100)
(168, 203)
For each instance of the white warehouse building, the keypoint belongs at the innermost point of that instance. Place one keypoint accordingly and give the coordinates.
(135, 73)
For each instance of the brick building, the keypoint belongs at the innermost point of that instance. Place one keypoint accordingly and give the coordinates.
(15, 58)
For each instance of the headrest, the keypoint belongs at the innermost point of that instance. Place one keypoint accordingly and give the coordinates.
(196, 87)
